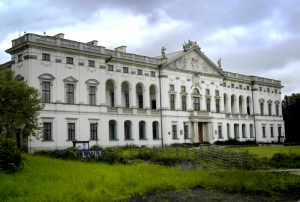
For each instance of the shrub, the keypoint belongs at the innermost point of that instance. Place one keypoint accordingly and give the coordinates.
(111, 157)
(72, 148)
(96, 146)
(283, 160)
(235, 142)
(291, 144)
(11, 159)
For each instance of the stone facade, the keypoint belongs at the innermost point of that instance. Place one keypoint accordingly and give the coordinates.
(111, 97)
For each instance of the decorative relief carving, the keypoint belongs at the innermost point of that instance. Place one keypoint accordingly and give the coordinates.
(102, 66)
(81, 63)
(269, 101)
(277, 102)
(91, 69)
(202, 81)
(261, 100)
(189, 45)
(30, 57)
(163, 76)
(125, 75)
(111, 73)
(177, 77)
(46, 63)
(58, 60)
(70, 67)
(133, 72)
(195, 80)
(188, 79)
(212, 83)
(146, 74)
(19, 65)
(118, 70)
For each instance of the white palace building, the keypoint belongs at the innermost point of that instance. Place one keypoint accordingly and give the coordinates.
(110, 97)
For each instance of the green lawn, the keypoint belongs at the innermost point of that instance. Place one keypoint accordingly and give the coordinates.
(269, 151)
(46, 179)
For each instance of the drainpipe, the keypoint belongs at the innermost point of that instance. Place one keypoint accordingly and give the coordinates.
(161, 125)
(252, 82)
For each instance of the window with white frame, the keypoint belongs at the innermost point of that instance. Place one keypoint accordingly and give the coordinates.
(110, 67)
(71, 131)
(268, 90)
(275, 90)
(207, 91)
(236, 131)
(70, 93)
(46, 81)
(251, 130)
(69, 60)
(142, 131)
(92, 95)
(141, 102)
(260, 88)
(46, 91)
(183, 103)
(220, 131)
(186, 131)
(271, 131)
(152, 73)
(270, 109)
(244, 130)
(139, 72)
(91, 63)
(218, 105)
(261, 108)
(20, 58)
(228, 130)
(155, 130)
(264, 131)
(174, 131)
(112, 99)
(217, 93)
(232, 85)
(183, 89)
(277, 110)
(224, 84)
(248, 88)
(47, 131)
(196, 103)
(207, 104)
(172, 101)
(240, 87)
(125, 69)
(112, 126)
(93, 131)
(171, 87)
(127, 130)
(45, 56)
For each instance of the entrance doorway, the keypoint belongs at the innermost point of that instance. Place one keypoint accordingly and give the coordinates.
(200, 132)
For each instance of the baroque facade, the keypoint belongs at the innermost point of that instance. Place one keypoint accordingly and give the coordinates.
(94, 95)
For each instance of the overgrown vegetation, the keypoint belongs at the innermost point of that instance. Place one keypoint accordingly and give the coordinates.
(282, 160)
(11, 159)
(46, 179)
(235, 142)
(193, 144)
(108, 156)
(291, 144)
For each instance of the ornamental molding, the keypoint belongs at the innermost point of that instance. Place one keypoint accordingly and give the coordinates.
(91, 69)
(133, 72)
(270, 101)
(177, 77)
(19, 77)
(26, 57)
(163, 76)
(46, 64)
(102, 66)
(261, 100)
(146, 74)
(277, 102)
(195, 80)
(58, 60)
(81, 63)
(118, 70)
(70, 79)
(70, 66)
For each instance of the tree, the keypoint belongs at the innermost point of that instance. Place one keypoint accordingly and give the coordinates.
(291, 112)
(19, 105)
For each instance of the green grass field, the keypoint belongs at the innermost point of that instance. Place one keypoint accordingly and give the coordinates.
(46, 179)
(269, 151)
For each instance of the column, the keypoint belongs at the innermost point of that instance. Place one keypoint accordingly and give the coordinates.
(146, 98)
(221, 105)
(157, 99)
(130, 98)
(133, 97)
(236, 106)
(195, 132)
(202, 103)
(102, 93)
(118, 98)
(212, 104)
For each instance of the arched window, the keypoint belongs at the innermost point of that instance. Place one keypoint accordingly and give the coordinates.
(195, 91)
(142, 132)
(127, 130)
(155, 130)
(228, 130)
(112, 130)
(236, 130)
(244, 130)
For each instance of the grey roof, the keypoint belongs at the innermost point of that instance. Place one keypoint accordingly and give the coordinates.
(172, 55)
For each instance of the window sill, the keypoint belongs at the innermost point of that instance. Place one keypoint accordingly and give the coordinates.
(110, 70)
(70, 63)
(156, 138)
(175, 138)
(140, 74)
(128, 139)
(187, 138)
(72, 140)
(126, 72)
(47, 140)
(91, 66)
(220, 138)
(46, 60)
(113, 139)
(93, 140)
(143, 139)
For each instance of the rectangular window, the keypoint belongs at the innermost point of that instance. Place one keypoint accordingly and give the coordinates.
(69, 60)
(174, 131)
(279, 131)
(207, 91)
(277, 110)
(186, 132)
(275, 90)
(112, 99)
(92, 95)
(91, 63)
(141, 101)
(224, 84)
(125, 69)
(47, 131)
(110, 68)
(46, 91)
(248, 88)
(139, 72)
(217, 93)
(183, 107)
(244, 130)
(262, 109)
(207, 104)
(196, 103)
(71, 131)
(93, 131)
(220, 131)
(172, 101)
(260, 88)
(46, 56)
(236, 131)
(152, 73)
(240, 87)
(19, 57)
(217, 105)
(228, 130)
(270, 110)
(171, 87)
(127, 100)
(251, 130)
(182, 88)
(268, 90)
(232, 85)
(142, 130)
(271, 130)
(264, 131)
(155, 129)
(70, 93)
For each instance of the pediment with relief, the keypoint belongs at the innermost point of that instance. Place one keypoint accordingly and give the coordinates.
(193, 61)
(70, 79)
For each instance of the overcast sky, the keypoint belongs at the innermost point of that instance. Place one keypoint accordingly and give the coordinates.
(259, 38)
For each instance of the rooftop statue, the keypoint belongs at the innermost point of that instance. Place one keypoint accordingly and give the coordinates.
(219, 63)
(163, 52)
(190, 44)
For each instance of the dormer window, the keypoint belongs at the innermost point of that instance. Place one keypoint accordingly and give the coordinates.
(69, 60)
